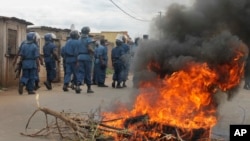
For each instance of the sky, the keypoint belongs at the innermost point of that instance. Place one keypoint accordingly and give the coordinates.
(99, 15)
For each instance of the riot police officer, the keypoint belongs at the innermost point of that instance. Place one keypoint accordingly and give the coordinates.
(50, 58)
(37, 79)
(117, 62)
(17, 61)
(101, 60)
(95, 65)
(30, 63)
(63, 55)
(71, 54)
(84, 60)
(126, 59)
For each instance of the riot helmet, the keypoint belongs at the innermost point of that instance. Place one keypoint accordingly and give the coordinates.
(85, 30)
(32, 37)
(118, 39)
(102, 42)
(118, 42)
(74, 34)
(49, 37)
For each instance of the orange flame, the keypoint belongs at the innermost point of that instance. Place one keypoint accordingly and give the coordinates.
(185, 98)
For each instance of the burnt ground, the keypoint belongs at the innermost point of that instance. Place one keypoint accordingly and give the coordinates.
(16, 109)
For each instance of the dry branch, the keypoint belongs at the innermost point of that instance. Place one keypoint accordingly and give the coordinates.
(65, 119)
(79, 127)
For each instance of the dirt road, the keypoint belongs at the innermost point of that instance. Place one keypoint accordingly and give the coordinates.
(16, 109)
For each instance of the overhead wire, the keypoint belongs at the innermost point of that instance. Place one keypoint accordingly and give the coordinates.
(128, 9)
(128, 13)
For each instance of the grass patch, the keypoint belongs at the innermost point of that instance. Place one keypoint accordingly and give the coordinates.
(109, 71)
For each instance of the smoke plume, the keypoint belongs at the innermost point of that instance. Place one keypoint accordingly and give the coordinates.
(209, 31)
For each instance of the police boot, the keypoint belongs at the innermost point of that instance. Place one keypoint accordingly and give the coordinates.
(78, 89)
(65, 87)
(48, 85)
(20, 88)
(102, 85)
(72, 86)
(89, 90)
(37, 86)
(119, 85)
(93, 82)
(31, 92)
(124, 84)
(113, 84)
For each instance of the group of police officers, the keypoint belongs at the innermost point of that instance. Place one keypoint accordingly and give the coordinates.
(79, 54)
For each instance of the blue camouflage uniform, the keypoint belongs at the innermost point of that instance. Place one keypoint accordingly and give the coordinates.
(84, 61)
(118, 65)
(98, 64)
(36, 71)
(126, 59)
(50, 62)
(95, 70)
(37, 79)
(70, 61)
(29, 53)
(101, 64)
(105, 57)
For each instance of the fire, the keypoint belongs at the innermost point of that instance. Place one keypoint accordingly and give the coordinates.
(183, 99)
(231, 72)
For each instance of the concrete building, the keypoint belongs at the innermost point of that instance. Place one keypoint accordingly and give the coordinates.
(12, 33)
(111, 35)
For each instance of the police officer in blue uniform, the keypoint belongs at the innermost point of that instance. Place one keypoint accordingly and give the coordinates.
(84, 60)
(101, 59)
(71, 54)
(105, 59)
(126, 58)
(50, 58)
(30, 63)
(117, 62)
(19, 64)
(96, 64)
(37, 79)
(63, 55)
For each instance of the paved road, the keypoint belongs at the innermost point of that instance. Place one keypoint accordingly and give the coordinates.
(15, 109)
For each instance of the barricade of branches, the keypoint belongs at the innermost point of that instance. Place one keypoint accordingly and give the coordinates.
(90, 127)
(67, 125)
(72, 126)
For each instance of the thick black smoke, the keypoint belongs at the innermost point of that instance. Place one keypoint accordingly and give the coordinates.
(209, 31)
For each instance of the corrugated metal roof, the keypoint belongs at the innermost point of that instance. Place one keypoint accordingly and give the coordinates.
(48, 28)
(16, 19)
